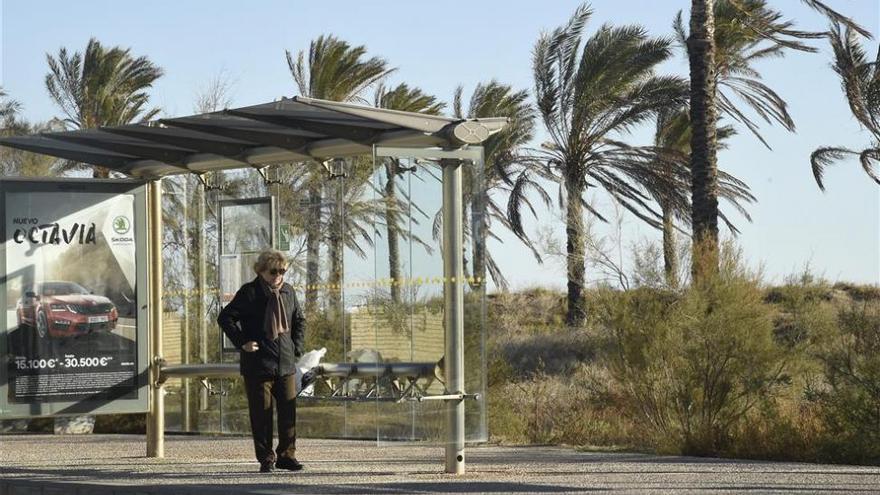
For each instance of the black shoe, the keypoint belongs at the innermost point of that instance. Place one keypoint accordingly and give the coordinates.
(288, 464)
(266, 467)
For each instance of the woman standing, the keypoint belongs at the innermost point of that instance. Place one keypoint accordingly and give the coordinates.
(265, 323)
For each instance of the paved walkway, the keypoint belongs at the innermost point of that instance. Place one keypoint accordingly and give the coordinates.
(115, 464)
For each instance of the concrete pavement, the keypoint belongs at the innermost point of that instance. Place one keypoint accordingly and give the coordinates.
(115, 464)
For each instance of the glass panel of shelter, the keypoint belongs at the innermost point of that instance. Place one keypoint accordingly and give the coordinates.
(358, 309)
(408, 314)
(191, 294)
(320, 261)
(407, 309)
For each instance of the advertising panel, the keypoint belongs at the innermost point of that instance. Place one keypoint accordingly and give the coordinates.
(75, 337)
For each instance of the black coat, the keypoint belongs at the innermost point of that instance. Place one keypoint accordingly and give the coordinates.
(242, 320)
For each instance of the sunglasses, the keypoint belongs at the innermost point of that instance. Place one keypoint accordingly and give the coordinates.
(278, 271)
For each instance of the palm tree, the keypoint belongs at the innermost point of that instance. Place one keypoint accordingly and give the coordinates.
(860, 80)
(24, 163)
(587, 98)
(16, 162)
(9, 108)
(334, 71)
(726, 38)
(406, 99)
(101, 87)
(672, 139)
(746, 32)
(506, 171)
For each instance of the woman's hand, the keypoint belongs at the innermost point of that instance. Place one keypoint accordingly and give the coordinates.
(250, 346)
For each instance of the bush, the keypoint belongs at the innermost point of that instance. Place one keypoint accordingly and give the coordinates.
(859, 292)
(804, 309)
(692, 366)
(135, 424)
(780, 429)
(850, 392)
(325, 331)
(806, 288)
(578, 409)
(561, 353)
(532, 311)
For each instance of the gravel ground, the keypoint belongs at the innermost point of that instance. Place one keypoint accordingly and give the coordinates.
(115, 464)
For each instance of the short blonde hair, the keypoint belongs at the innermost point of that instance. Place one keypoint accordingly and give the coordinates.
(269, 259)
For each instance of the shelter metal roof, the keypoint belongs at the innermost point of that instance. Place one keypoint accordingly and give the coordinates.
(290, 130)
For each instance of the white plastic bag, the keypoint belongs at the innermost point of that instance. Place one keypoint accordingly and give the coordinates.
(308, 361)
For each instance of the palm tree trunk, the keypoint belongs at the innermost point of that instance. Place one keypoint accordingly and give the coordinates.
(575, 247)
(313, 245)
(478, 239)
(391, 223)
(703, 113)
(334, 281)
(670, 257)
(336, 249)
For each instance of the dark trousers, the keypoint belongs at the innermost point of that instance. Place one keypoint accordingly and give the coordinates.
(261, 394)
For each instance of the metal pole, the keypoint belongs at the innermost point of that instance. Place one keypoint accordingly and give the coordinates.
(156, 414)
(453, 294)
(184, 406)
(203, 264)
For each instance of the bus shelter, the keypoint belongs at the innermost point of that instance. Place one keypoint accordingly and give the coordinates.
(377, 209)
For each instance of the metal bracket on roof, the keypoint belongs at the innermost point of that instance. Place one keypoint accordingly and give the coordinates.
(266, 180)
(335, 168)
(208, 187)
(399, 169)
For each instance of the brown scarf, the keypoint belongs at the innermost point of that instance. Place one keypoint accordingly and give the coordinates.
(275, 322)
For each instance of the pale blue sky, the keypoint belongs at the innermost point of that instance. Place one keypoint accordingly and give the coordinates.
(438, 45)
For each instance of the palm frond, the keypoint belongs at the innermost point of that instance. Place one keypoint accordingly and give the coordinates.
(335, 70)
(856, 78)
(837, 17)
(867, 157)
(825, 156)
(406, 99)
(860, 81)
(8, 109)
(748, 31)
(506, 160)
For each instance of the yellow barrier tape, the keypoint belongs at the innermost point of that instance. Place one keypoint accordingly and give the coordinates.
(360, 284)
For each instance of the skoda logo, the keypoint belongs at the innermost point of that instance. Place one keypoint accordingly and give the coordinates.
(121, 225)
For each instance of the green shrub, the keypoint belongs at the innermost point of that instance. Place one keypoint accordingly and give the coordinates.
(324, 331)
(804, 309)
(801, 287)
(692, 366)
(850, 394)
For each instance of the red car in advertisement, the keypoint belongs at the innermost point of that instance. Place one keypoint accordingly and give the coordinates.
(64, 309)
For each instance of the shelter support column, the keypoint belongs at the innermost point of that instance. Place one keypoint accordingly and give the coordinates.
(202, 291)
(156, 414)
(453, 294)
